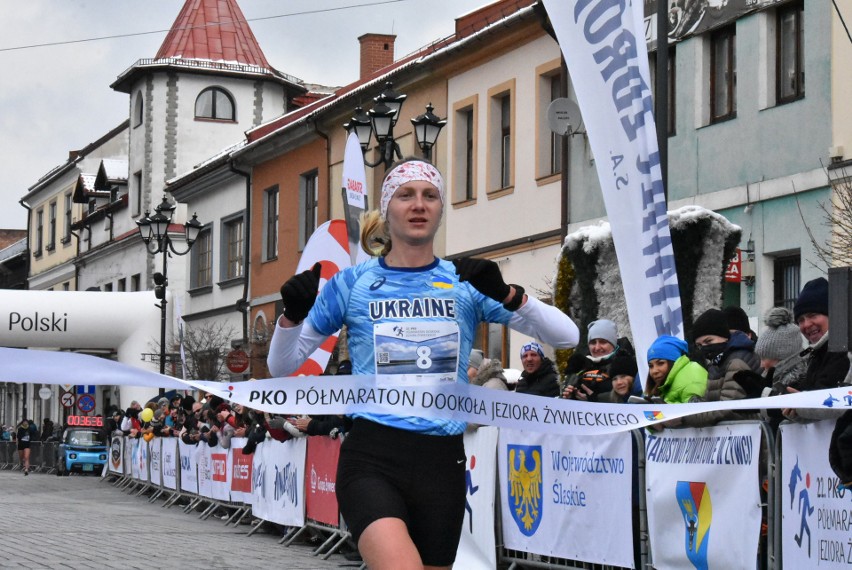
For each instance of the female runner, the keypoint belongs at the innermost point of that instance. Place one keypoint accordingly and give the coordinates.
(401, 479)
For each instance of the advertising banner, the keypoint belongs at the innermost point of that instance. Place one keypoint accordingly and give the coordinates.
(204, 461)
(477, 548)
(320, 501)
(261, 505)
(284, 476)
(560, 494)
(188, 467)
(608, 62)
(816, 514)
(239, 468)
(169, 462)
(703, 496)
(219, 473)
(155, 453)
(116, 454)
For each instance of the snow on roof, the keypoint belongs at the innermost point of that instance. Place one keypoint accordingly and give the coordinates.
(115, 169)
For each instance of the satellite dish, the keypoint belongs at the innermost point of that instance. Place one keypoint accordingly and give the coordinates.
(563, 116)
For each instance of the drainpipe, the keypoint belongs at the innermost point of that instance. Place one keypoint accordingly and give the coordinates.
(243, 304)
(29, 210)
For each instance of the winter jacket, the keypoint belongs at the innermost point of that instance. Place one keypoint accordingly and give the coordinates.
(490, 375)
(542, 382)
(686, 380)
(825, 370)
(721, 386)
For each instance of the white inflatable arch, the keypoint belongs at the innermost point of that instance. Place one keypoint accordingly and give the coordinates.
(128, 323)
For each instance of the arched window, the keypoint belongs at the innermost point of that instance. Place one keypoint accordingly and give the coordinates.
(138, 110)
(215, 103)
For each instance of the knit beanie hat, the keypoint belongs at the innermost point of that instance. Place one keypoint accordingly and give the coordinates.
(812, 299)
(711, 321)
(475, 359)
(737, 319)
(667, 348)
(623, 365)
(781, 337)
(534, 346)
(604, 329)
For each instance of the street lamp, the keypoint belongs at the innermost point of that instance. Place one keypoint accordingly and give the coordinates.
(154, 231)
(382, 118)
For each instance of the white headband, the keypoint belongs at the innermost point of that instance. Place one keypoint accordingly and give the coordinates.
(408, 172)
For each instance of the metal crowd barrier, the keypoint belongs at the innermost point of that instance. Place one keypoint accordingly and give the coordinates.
(43, 457)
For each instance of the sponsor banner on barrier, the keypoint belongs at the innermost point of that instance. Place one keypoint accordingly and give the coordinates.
(557, 493)
(169, 460)
(388, 394)
(477, 548)
(155, 454)
(116, 454)
(284, 481)
(260, 507)
(204, 462)
(219, 472)
(702, 493)
(128, 457)
(188, 467)
(240, 471)
(816, 515)
(321, 468)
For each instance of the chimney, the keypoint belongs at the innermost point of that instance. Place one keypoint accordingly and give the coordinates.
(376, 52)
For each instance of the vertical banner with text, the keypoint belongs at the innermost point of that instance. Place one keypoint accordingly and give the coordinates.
(604, 47)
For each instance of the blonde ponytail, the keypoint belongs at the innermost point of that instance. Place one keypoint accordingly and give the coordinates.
(375, 238)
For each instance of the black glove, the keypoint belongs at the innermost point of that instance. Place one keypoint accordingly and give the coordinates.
(751, 382)
(484, 275)
(299, 293)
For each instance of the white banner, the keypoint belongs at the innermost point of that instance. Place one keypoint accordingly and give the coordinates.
(188, 470)
(204, 462)
(169, 462)
(116, 454)
(261, 488)
(387, 394)
(477, 548)
(219, 468)
(604, 47)
(128, 456)
(816, 516)
(354, 193)
(155, 453)
(560, 495)
(284, 478)
(702, 493)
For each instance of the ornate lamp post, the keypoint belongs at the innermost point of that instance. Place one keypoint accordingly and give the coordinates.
(381, 120)
(154, 231)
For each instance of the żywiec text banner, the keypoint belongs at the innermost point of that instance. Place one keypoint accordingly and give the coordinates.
(604, 47)
(388, 394)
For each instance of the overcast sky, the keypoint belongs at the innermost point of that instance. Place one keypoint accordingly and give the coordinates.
(57, 98)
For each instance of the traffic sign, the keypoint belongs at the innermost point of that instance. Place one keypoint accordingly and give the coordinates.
(67, 400)
(237, 361)
(86, 403)
(45, 393)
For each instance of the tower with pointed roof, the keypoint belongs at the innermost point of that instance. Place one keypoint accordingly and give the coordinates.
(208, 83)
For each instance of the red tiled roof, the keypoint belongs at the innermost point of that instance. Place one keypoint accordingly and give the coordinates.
(214, 30)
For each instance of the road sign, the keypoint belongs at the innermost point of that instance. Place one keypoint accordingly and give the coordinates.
(237, 361)
(45, 393)
(86, 403)
(67, 400)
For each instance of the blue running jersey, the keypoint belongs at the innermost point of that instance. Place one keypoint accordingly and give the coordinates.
(415, 321)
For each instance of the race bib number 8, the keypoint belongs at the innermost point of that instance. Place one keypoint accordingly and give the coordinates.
(426, 351)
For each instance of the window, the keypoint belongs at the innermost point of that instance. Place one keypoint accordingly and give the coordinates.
(672, 81)
(500, 147)
(215, 103)
(493, 340)
(66, 230)
(233, 233)
(202, 260)
(789, 70)
(135, 282)
(308, 196)
(121, 285)
(464, 150)
(137, 193)
(66, 286)
(555, 139)
(39, 237)
(138, 111)
(51, 226)
(270, 224)
(723, 74)
(787, 273)
(107, 287)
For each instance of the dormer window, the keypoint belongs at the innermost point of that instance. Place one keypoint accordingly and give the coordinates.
(215, 103)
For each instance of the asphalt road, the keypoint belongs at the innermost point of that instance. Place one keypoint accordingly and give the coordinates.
(85, 522)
